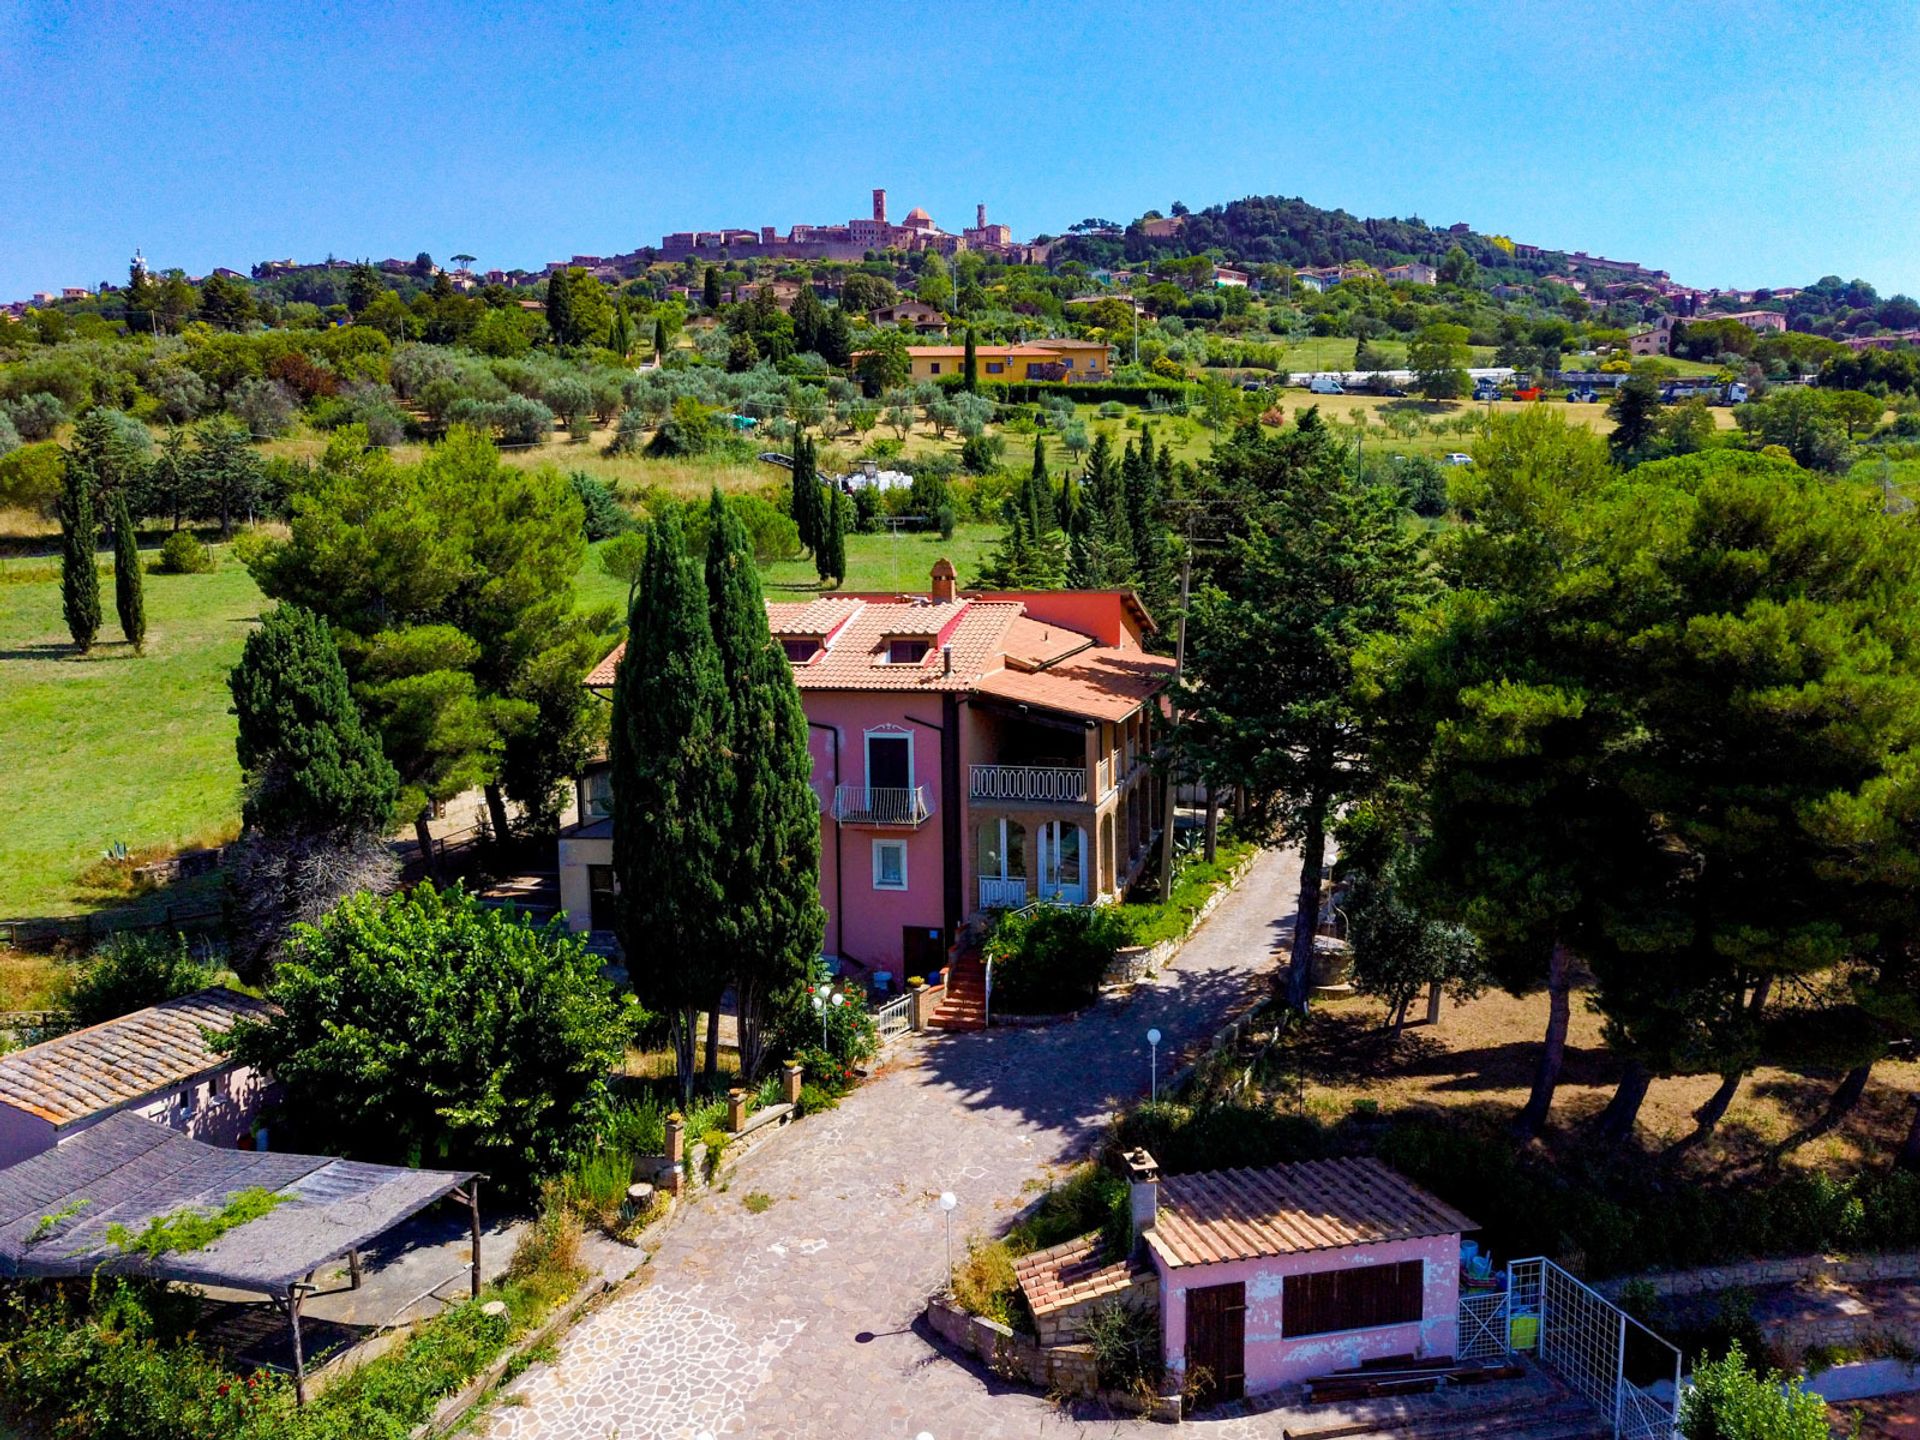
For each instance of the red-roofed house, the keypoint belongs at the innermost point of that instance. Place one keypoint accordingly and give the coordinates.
(971, 752)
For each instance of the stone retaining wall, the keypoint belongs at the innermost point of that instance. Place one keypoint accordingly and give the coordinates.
(1057, 1369)
(1134, 963)
(1782, 1270)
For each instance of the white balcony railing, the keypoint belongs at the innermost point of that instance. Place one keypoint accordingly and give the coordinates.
(880, 805)
(1062, 784)
(999, 894)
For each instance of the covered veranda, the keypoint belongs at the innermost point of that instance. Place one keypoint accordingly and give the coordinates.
(56, 1208)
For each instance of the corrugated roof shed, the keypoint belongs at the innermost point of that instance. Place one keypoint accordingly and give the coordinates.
(55, 1207)
(118, 1062)
(1313, 1205)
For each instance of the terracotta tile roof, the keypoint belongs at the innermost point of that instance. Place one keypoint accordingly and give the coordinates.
(820, 616)
(601, 677)
(1313, 1205)
(120, 1061)
(1031, 643)
(1071, 1273)
(856, 660)
(1095, 684)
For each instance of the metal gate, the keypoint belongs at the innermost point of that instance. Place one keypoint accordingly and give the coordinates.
(1602, 1353)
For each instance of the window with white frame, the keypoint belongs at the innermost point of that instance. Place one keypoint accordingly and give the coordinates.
(889, 864)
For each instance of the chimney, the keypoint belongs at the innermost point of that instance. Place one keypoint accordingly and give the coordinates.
(880, 206)
(1143, 1190)
(944, 576)
(980, 217)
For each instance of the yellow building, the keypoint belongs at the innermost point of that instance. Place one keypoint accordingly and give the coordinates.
(1031, 360)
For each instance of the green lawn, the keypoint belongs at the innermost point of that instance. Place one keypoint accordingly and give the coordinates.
(119, 747)
(115, 747)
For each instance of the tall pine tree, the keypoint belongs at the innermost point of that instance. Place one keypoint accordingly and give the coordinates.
(710, 291)
(671, 794)
(772, 917)
(128, 597)
(1102, 543)
(79, 538)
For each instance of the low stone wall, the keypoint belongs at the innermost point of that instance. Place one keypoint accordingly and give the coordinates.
(1058, 1369)
(1783, 1270)
(1133, 963)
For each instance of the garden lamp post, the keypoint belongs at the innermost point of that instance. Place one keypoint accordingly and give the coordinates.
(820, 1003)
(947, 1202)
(1153, 1064)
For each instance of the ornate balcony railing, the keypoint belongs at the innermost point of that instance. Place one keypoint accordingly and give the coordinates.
(999, 894)
(880, 805)
(1062, 784)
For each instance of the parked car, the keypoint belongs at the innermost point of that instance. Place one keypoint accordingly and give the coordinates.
(1456, 458)
(1325, 385)
(1485, 389)
(1582, 395)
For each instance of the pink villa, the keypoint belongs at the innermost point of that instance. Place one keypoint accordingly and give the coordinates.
(971, 752)
(1267, 1278)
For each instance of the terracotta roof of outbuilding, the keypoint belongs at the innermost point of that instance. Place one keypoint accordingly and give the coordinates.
(1070, 1273)
(1313, 1205)
(1097, 684)
(118, 1062)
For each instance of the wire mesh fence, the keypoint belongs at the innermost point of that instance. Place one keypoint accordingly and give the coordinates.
(1602, 1353)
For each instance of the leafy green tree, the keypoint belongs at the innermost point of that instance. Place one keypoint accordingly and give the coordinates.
(1728, 1400)
(309, 762)
(671, 794)
(426, 1029)
(226, 479)
(1270, 703)
(1457, 267)
(884, 364)
(111, 449)
(1033, 553)
(1635, 412)
(130, 971)
(79, 539)
(227, 304)
(128, 599)
(1802, 421)
(1438, 357)
(319, 795)
(773, 919)
(809, 320)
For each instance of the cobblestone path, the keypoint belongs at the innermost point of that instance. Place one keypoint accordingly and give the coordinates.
(798, 1323)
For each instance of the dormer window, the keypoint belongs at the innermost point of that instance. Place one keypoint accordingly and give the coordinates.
(907, 649)
(802, 649)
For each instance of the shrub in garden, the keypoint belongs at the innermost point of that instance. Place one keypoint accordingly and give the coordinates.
(182, 554)
(605, 517)
(1052, 958)
(129, 972)
(1731, 1401)
(1126, 1346)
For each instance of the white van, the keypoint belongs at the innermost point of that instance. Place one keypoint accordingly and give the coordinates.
(1325, 385)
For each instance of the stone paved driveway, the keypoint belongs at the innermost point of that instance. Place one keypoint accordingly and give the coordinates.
(798, 1323)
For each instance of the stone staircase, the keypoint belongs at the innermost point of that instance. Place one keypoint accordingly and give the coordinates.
(964, 1006)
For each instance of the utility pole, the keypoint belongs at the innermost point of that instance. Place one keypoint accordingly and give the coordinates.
(1179, 672)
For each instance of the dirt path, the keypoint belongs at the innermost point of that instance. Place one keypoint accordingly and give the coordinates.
(797, 1323)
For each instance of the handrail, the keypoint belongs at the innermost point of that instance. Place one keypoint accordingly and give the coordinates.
(1060, 783)
(880, 805)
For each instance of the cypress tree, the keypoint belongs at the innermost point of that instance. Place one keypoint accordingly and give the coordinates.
(311, 764)
(620, 331)
(660, 340)
(831, 557)
(1041, 489)
(970, 366)
(710, 290)
(79, 537)
(670, 793)
(805, 503)
(128, 597)
(773, 917)
(560, 306)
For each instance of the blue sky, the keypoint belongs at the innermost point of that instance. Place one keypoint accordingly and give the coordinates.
(1733, 144)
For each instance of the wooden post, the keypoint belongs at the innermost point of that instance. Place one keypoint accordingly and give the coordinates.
(299, 1360)
(353, 1268)
(473, 1219)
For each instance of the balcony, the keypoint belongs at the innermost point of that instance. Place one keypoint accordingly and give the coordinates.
(1009, 893)
(893, 807)
(1055, 784)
